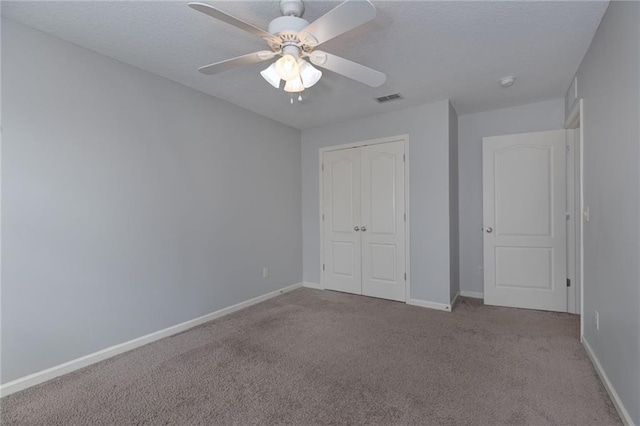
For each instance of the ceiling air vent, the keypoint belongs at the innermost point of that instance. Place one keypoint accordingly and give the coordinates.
(383, 99)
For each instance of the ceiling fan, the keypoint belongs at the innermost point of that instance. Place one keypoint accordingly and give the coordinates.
(295, 40)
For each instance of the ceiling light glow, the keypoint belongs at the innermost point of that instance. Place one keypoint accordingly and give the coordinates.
(294, 86)
(287, 67)
(297, 73)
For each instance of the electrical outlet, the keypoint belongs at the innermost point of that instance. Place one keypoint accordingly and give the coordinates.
(585, 213)
(597, 318)
(265, 272)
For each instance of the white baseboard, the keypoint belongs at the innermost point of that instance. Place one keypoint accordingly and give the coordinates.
(474, 294)
(312, 285)
(430, 305)
(76, 364)
(414, 302)
(454, 300)
(617, 402)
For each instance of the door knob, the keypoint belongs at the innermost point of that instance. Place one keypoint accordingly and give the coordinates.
(489, 230)
(355, 228)
(364, 228)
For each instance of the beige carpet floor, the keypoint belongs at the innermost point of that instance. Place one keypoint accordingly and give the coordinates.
(319, 357)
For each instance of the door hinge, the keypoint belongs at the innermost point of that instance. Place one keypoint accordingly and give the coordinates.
(405, 276)
(568, 282)
(323, 266)
(404, 157)
(323, 167)
(323, 217)
(405, 217)
(568, 215)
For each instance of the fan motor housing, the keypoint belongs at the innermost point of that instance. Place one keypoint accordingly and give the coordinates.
(287, 24)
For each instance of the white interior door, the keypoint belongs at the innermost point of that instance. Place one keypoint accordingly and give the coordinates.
(524, 197)
(364, 220)
(383, 227)
(341, 210)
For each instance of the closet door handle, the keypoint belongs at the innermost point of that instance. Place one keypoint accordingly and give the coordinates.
(364, 228)
(356, 228)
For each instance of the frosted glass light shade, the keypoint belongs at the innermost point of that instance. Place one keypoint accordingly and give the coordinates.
(287, 67)
(308, 73)
(294, 86)
(271, 76)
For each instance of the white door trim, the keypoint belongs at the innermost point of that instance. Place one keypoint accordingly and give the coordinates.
(573, 207)
(575, 120)
(405, 139)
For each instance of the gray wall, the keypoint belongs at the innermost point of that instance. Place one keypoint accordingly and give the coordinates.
(472, 128)
(130, 203)
(454, 237)
(428, 129)
(608, 81)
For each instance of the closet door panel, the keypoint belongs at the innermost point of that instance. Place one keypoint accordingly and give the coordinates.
(341, 208)
(383, 221)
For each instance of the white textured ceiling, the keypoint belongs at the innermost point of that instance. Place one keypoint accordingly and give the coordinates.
(430, 50)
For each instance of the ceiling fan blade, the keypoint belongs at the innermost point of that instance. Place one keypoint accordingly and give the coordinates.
(348, 68)
(251, 58)
(232, 20)
(342, 18)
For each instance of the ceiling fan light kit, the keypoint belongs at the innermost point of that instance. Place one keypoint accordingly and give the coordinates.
(287, 67)
(295, 39)
(270, 74)
(294, 86)
(308, 73)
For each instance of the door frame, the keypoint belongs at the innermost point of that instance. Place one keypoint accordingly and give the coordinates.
(573, 207)
(321, 151)
(575, 121)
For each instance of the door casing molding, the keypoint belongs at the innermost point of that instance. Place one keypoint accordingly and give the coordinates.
(407, 242)
(575, 120)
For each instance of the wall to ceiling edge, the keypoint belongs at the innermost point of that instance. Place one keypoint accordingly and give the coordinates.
(428, 127)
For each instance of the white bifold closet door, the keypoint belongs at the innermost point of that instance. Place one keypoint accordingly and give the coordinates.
(364, 220)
